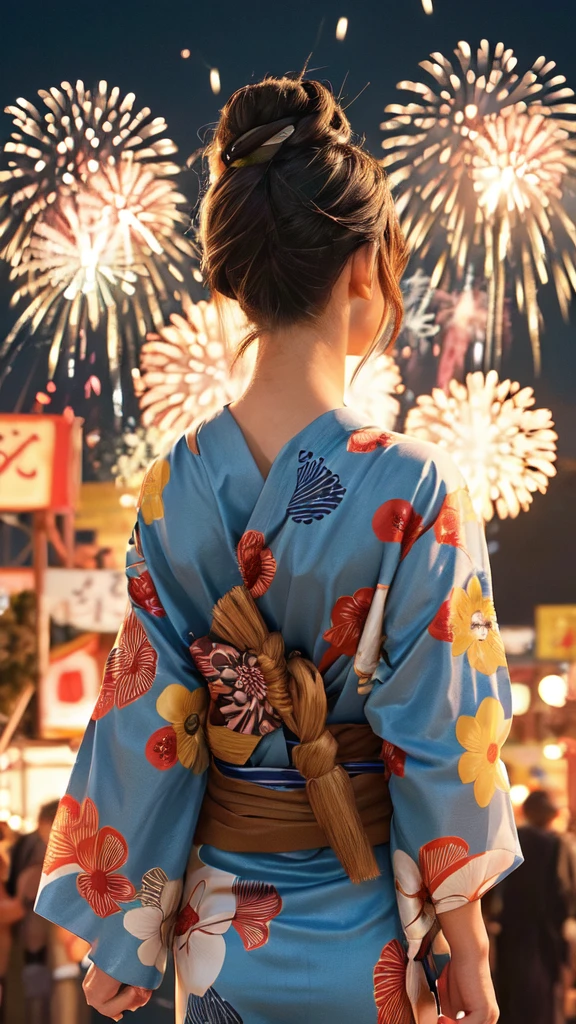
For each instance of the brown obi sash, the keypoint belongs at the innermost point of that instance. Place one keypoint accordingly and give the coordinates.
(243, 817)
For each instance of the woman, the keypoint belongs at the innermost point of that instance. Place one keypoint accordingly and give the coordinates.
(256, 658)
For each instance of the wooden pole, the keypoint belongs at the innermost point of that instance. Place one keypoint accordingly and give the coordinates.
(40, 564)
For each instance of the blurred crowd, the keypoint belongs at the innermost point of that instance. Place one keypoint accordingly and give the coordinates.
(531, 920)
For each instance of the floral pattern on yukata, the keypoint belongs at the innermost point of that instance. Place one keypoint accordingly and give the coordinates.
(361, 548)
(238, 689)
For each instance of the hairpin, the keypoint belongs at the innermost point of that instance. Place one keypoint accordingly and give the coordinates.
(258, 145)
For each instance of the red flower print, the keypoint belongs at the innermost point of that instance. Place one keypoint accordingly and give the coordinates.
(256, 905)
(201, 651)
(130, 669)
(161, 748)
(100, 856)
(348, 619)
(397, 521)
(368, 439)
(144, 594)
(257, 563)
(448, 528)
(390, 986)
(440, 627)
(72, 825)
(394, 759)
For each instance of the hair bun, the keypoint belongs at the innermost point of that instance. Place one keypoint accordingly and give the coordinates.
(277, 232)
(319, 120)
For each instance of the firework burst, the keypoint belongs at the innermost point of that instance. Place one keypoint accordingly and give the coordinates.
(77, 135)
(92, 223)
(186, 367)
(374, 391)
(485, 163)
(504, 448)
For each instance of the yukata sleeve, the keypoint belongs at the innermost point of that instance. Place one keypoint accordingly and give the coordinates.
(441, 702)
(124, 831)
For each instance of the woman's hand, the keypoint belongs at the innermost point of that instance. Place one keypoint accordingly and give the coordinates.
(465, 986)
(109, 997)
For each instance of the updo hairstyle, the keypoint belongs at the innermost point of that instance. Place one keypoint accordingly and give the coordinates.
(275, 235)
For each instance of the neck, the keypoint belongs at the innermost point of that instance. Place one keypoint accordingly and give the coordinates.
(299, 374)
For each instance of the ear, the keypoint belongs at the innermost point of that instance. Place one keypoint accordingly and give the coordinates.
(362, 268)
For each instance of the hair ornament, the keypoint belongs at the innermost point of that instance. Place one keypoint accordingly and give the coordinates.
(258, 145)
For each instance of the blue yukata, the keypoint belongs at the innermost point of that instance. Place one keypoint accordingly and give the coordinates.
(362, 548)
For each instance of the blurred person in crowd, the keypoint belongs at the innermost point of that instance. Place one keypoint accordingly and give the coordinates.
(23, 882)
(67, 952)
(11, 911)
(535, 902)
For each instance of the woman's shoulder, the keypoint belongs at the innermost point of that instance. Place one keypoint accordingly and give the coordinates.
(403, 456)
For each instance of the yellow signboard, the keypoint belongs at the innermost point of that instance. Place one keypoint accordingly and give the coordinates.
(556, 632)
(39, 462)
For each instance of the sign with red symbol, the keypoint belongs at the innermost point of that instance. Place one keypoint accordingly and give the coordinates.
(39, 462)
(70, 687)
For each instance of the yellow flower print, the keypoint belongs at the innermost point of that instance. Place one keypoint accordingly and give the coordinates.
(474, 629)
(186, 711)
(483, 737)
(150, 500)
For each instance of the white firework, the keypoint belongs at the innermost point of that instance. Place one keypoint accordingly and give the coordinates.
(418, 325)
(373, 392)
(135, 450)
(504, 448)
(186, 367)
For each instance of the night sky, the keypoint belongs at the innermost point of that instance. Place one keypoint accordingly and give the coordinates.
(137, 47)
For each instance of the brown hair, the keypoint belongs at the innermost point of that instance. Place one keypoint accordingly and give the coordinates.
(276, 235)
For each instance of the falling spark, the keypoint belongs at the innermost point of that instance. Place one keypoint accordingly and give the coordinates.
(486, 162)
(428, 7)
(185, 54)
(186, 367)
(505, 449)
(341, 28)
(215, 81)
(93, 224)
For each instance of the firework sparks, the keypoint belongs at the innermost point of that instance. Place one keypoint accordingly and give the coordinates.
(186, 367)
(504, 448)
(93, 223)
(418, 325)
(78, 134)
(135, 449)
(374, 391)
(485, 162)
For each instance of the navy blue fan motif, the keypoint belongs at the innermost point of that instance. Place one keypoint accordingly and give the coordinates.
(318, 490)
(211, 1009)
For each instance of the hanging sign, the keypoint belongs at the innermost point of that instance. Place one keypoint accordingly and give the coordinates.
(39, 462)
(556, 632)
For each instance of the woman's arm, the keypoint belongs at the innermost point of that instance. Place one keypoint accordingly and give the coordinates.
(466, 985)
(123, 833)
(441, 702)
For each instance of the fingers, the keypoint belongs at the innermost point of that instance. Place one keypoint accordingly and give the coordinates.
(128, 998)
(109, 997)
